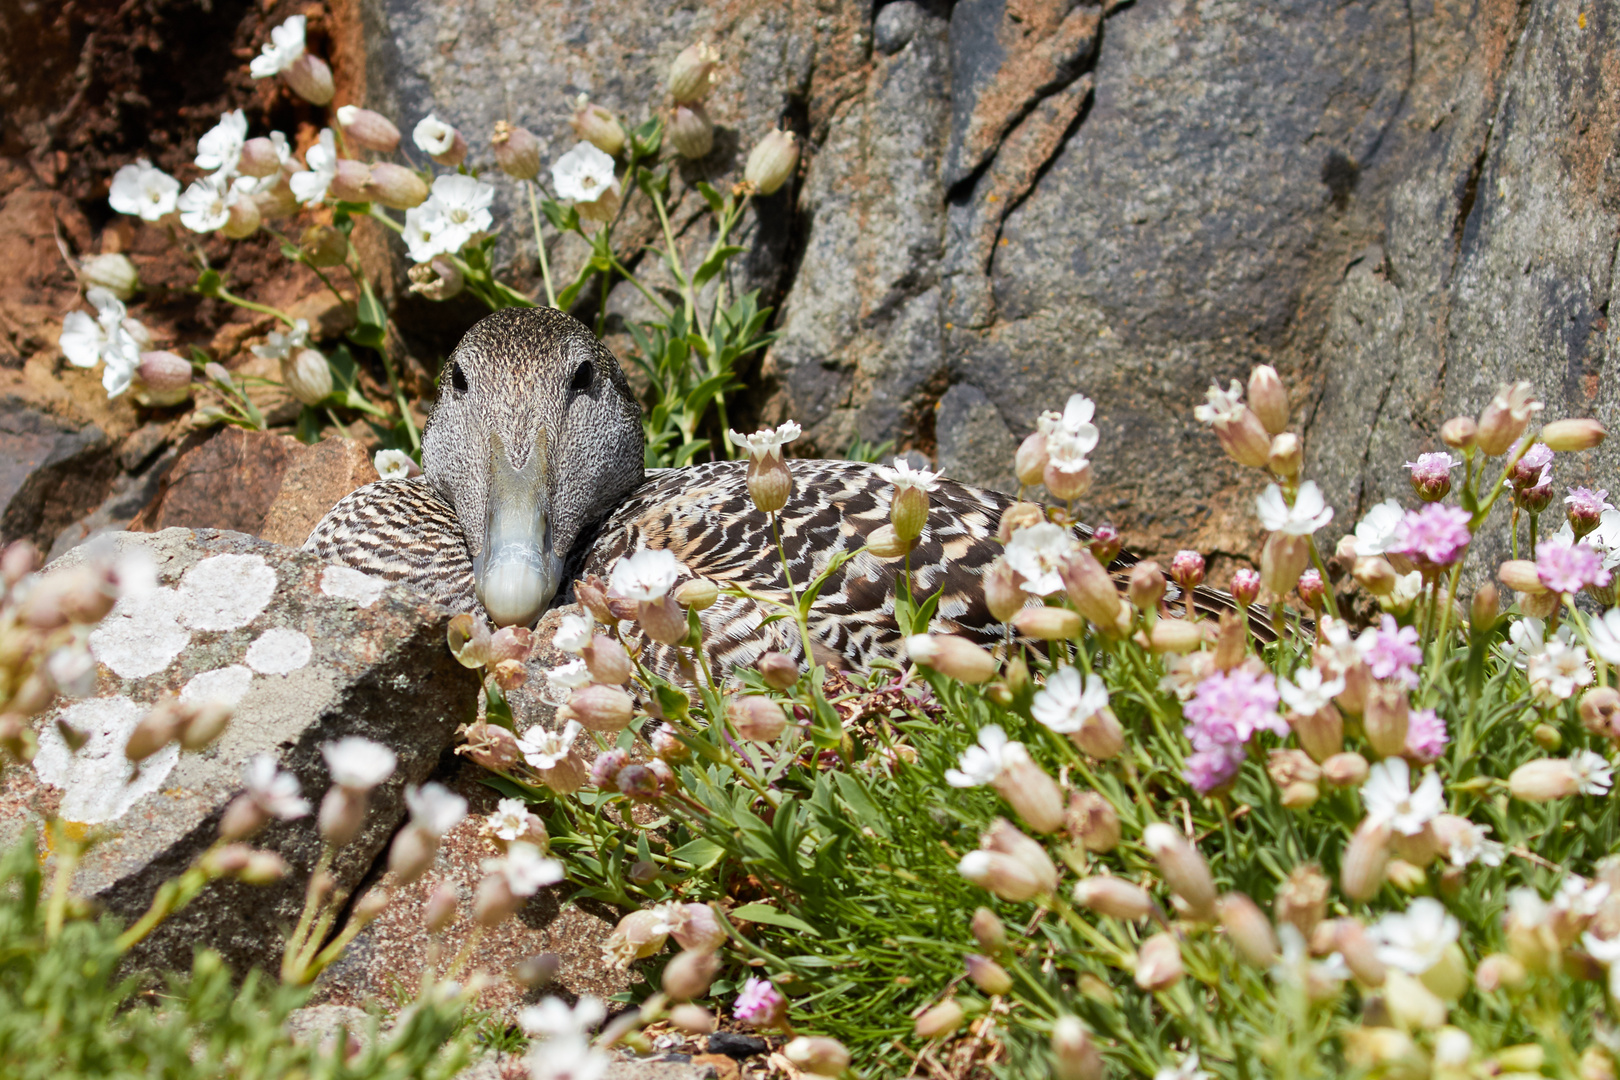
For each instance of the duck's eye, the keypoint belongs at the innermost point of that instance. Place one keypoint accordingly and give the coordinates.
(582, 378)
(458, 379)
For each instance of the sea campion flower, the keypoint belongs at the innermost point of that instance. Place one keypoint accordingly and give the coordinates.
(585, 176)
(1388, 798)
(1073, 423)
(282, 51)
(320, 167)
(1311, 693)
(1431, 475)
(220, 148)
(395, 465)
(435, 808)
(553, 1018)
(767, 443)
(1434, 536)
(104, 337)
(143, 190)
(1309, 512)
(1603, 634)
(1586, 509)
(1465, 843)
(1569, 568)
(358, 764)
(1593, 774)
(645, 576)
(1425, 735)
(1391, 651)
(205, 206)
(281, 345)
(573, 634)
(569, 676)
(1037, 553)
(902, 476)
(1065, 704)
(272, 790)
(1185, 1069)
(544, 749)
(1414, 940)
(454, 214)
(982, 762)
(512, 820)
(1556, 671)
(1241, 434)
(1376, 531)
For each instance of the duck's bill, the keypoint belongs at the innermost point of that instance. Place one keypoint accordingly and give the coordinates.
(517, 573)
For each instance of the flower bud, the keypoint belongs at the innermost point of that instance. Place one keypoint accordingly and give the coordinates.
(688, 975)
(1311, 589)
(263, 868)
(601, 708)
(440, 908)
(1019, 515)
(1362, 870)
(1321, 733)
(1183, 868)
(310, 79)
(988, 930)
(1572, 436)
(1158, 963)
(1412, 1006)
(350, 181)
(756, 718)
(1027, 788)
(1360, 954)
(517, 151)
(203, 724)
(987, 975)
(157, 729)
(1505, 418)
(1147, 586)
(607, 661)
(1386, 719)
(1091, 589)
(692, 1019)
(692, 73)
(1114, 897)
(225, 861)
(1348, 769)
(817, 1055)
(1547, 737)
(699, 594)
(908, 512)
(1074, 1054)
(307, 376)
(1092, 820)
(260, 158)
(395, 186)
(591, 592)
(885, 542)
(1175, 636)
(455, 153)
(954, 657)
(1498, 970)
(1187, 569)
(691, 131)
(770, 482)
(779, 671)
(411, 854)
(1048, 623)
(438, 279)
(1543, 780)
(1269, 399)
(1100, 735)
(368, 130)
(323, 246)
(1447, 978)
(1105, 543)
(1301, 901)
(1031, 459)
(112, 271)
(1458, 433)
(1600, 711)
(1245, 439)
(343, 811)
(1248, 929)
(165, 378)
(242, 818)
(597, 126)
(1287, 456)
(1282, 560)
(1520, 575)
(1001, 592)
(1374, 574)
(940, 1021)
(662, 620)
(772, 162)
(495, 902)
(1245, 586)
(567, 776)
(1066, 485)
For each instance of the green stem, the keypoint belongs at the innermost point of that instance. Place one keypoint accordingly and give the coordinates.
(341, 299)
(540, 246)
(1327, 583)
(377, 212)
(652, 298)
(242, 302)
(787, 575)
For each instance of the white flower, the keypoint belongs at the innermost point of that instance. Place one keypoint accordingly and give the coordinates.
(282, 51)
(392, 464)
(259, 185)
(903, 476)
(1605, 539)
(644, 576)
(206, 205)
(569, 676)
(144, 190)
(282, 345)
(1526, 908)
(320, 167)
(1607, 953)
(462, 206)
(1036, 552)
(1073, 423)
(981, 763)
(1223, 405)
(1603, 635)
(1187, 1068)
(553, 1019)
(1406, 591)
(109, 336)
(1376, 531)
(1336, 650)
(1578, 898)
(1466, 842)
(1593, 776)
(273, 791)
(510, 819)
(1309, 512)
(1557, 671)
(1387, 797)
(1414, 940)
(435, 808)
(1065, 704)
(574, 632)
(543, 749)
(433, 136)
(358, 764)
(1311, 693)
(221, 148)
(1067, 452)
(567, 1059)
(583, 174)
(767, 442)
(525, 869)
(426, 232)
(1182, 674)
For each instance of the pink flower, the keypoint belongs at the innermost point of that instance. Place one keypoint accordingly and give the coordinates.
(1229, 707)
(1564, 567)
(1434, 536)
(1534, 469)
(759, 1004)
(1391, 652)
(1585, 509)
(1425, 735)
(1207, 770)
(1245, 586)
(1431, 475)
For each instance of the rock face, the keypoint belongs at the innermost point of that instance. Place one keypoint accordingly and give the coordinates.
(308, 654)
(1007, 201)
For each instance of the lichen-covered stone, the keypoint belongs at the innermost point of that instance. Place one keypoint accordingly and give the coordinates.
(306, 654)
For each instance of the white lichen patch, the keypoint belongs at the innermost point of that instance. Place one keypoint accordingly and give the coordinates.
(278, 651)
(224, 592)
(226, 685)
(99, 783)
(351, 584)
(142, 635)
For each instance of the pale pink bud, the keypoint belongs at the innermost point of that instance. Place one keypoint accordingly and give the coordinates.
(1600, 711)
(203, 723)
(886, 543)
(310, 79)
(692, 1019)
(1287, 456)
(1374, 574)
(1360, 954)
(688, 975)
(1245, 586)
(1346, 769)
(368, 130)
(1505, 418)
(1092, 820)
(779, 671)
(1268, 398)
(770, 482)
(1001, 592)
(599, 127)
(455, 155)
(1184, 869)
(1067, 485)
(1321, 733)
(1114, 897)
(699, 929)
(1100, 735)
(350, 181)
(1074, 1053)
(1003, 875)
(1302, 899)
(1158, 963)
(1282, 560)
(607, 661)
(954, 657)
(343, 811)
(1248, 929)
(592, 595)
(395, 186)
(371, 905)
(662, 620)
(517, 151)
(1572, 436)
(1032, 794)
(307, 376)
(940, 1020)
(263, 868)
(1175, 636)
(987, 975)
(756, 718)
(1459, 432)
(1091, 589)
(495, 902)
(1244, 438)
(988, 930)
(1147, 586)
(1543, 780)
(411, 854)
(772, 163)
(601, 708)
(156, 730)
(691, 131)
(1386, 719)
(699, 594)
(1362, 871)
(817, 1055)
(242, 818)
(1499, 970)
(692, 73)
(165, 376)
(260, 158)
(1048, 623)
(440, 908)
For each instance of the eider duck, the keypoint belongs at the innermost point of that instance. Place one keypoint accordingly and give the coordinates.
(533, 477)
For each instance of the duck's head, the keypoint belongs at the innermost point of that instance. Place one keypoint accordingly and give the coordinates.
(535, 437)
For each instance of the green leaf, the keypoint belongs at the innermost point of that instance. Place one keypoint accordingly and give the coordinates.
(764, 913)
(291, 252)
(714, 264)
(308, 430)
(701, 854)
(370, 310)
(715, 200)
(209, 282)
